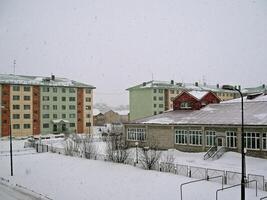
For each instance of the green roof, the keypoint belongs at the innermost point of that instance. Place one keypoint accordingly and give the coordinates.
(41, 80)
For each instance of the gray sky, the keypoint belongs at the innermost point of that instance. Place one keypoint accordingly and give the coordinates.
(115, 44)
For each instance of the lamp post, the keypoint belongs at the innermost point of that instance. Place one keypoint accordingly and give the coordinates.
(243, 163)
(136, 156)
(10, 141)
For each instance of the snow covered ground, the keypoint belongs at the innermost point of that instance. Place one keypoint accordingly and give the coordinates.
(66, 178)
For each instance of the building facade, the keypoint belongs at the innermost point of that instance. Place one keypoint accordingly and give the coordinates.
(155, 97)
(33, 105)
(214, 126)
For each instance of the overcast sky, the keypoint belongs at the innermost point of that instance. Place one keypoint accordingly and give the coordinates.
(115, 44)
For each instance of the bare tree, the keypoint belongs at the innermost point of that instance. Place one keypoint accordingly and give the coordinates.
(87, 146)
(167, 163)
(116, 148)
(71, 145)
(149, 156)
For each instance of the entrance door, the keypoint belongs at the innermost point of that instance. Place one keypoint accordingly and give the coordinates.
(63, 127)
(219, 143)
(55, 128)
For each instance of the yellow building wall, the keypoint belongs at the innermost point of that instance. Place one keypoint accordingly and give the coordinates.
(21, 102)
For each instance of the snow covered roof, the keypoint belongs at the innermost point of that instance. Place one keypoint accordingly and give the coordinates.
(96, 111)
(198, 94)
(228, 113)
(40, 80)
(122, 112)
(179, 85)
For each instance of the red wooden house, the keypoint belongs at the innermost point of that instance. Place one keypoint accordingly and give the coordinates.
(194, 100)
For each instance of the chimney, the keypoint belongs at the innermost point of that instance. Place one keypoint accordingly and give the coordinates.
(172, 82)
(218, 86)
(53, 77)
(239, 87)
(263, 86)
(196, 84)
(144, 83)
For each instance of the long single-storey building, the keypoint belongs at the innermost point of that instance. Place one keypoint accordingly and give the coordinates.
(213, 126)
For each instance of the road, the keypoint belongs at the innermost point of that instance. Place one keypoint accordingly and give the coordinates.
(8, 193)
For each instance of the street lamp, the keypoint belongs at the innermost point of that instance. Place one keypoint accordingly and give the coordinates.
(136, 156)
(243, 164)
(10, 141)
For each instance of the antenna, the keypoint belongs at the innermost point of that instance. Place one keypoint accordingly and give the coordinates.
(14, 66)
(152, 76)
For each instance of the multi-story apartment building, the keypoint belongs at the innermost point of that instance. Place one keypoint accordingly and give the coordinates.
(154, 97)
(33, 105)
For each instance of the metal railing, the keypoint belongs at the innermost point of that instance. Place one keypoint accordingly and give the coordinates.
(210, 152)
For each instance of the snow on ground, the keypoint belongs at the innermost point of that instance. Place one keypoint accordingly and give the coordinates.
(67, 178)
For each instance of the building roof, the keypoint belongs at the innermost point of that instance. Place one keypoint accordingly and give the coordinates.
(179, 85)
(40, 80)
(251, 90)
(227, 113)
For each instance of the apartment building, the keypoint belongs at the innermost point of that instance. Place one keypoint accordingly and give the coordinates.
(155, 97)
(33, 105)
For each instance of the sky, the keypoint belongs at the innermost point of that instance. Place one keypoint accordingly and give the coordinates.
(116, 44)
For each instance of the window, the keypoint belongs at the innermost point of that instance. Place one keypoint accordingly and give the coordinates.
(63, 107)
(72, 107)
(27, 98)
(16, 97)
(172, 98)
(160, 105)
(54, 98)
(87, 107)
(154, 98)
(54, 107)
(27, 107)
(45, 116)
(16, 126)
(88, 116)
(88, 91)
(160, 90)
(16, 116)
(71, 90)
(252, 140)
(264, 141)
(27, 116)
(195, 137)
(55, 116)
(63, 98)
(160, 98)
(155, 105)
(72, 99)
(177, 92)
(16, 88)
(45, 107)
(16, 107)
(27, 88)
(27, 126)
(54, 89)
(155, 112)
(136, 134)
(180, 136)
(172, 91)
(210, 138)
(185, 105)
(46, 125)
(45, 98)
(63, 90)
(231, 139)
(72, 124)
(72, 115)
(45, 89)
(88, 99)
(63, 116)
(88, 124)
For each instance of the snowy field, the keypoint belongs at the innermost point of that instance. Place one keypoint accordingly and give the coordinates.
(66, 178)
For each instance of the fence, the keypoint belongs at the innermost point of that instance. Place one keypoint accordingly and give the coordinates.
(230, 177)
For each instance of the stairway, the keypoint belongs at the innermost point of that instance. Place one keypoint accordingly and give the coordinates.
(214, 153)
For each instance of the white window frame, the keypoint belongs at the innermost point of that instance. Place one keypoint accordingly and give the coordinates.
(195, 137)
(136, 134)
(264, 141)
(181, 137)
(231, 139)
(210, 138)
(252, 138)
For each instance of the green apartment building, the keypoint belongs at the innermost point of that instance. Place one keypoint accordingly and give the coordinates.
(155, 97)
(33, 105)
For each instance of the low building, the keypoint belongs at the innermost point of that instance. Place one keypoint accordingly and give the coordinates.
(216, 125)
(33, 105)
(111, 117)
